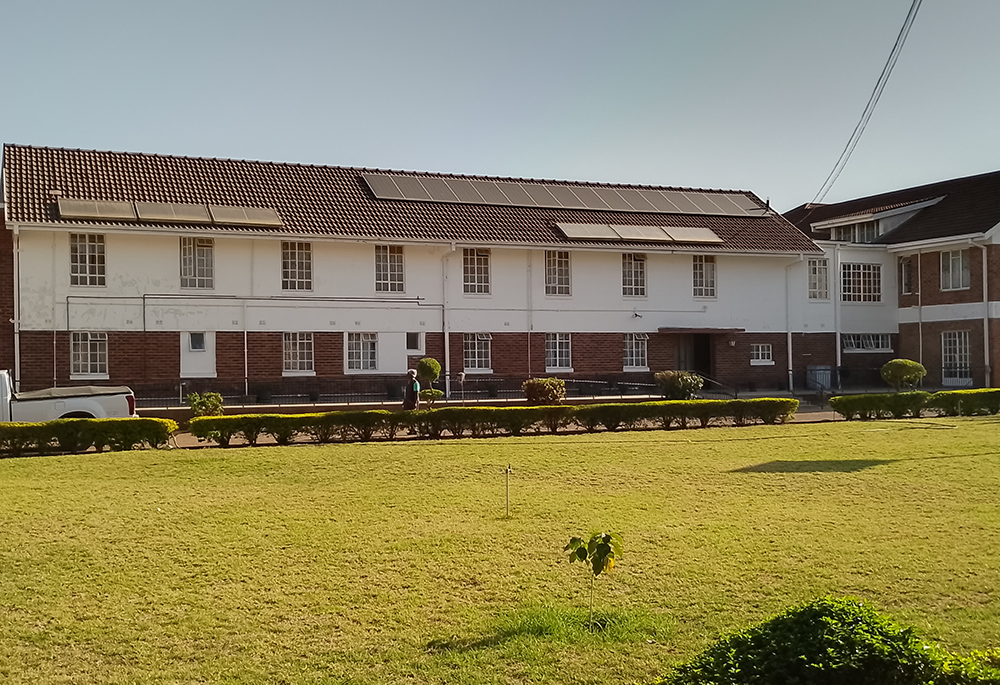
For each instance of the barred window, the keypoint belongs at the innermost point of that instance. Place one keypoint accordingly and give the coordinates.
(633, 275)
(477, 351)
(557, 351)
(861, 282)
(476, 271)
(88, 354)
(760, 353)
(819, 279)
(704, 275)
(866, 342)
(296, 266)
(556, 272)
(362, 351)
(297, 352)
(955, 270)
(956, 358)
(86, 259)
(388, 268)
(197, 263)
(635, 351)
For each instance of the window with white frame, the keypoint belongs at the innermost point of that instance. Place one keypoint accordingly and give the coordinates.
(362, 351)
(703, 272)
(906, 275)
(956, 358)
(197, 342)
(388, 268)
(415, 342)
(296, 266)
(861, 232)
(955, 270)
(557, 352)
(88, 354)
(476, 271)
(633, 275)
(866, 342)
(861, 282)
(761, 354)
(635, 351)
(819, 279)
(556, 272)
(197, 263)
(297, 353)
(477, 352)
(86, 259)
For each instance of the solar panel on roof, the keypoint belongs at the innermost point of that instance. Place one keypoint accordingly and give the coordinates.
(244, 216)
(516, 194)
(588, 231)
(95, 209)
(649, 233)
(726, 204)
(439, 190)
(636, 200)
(705, 202)
(745, 203)
(565, 197)
(683, 202)
(491, 193)
(692, 234)
(589, 198)
(541, 195)
(411, 188)
(464, 191)
(661, 203)
(173, 212)
(612, 199)
(382, 186)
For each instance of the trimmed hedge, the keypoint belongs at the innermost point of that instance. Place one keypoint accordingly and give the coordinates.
(348, 426)
(79, 435)
(912, 404)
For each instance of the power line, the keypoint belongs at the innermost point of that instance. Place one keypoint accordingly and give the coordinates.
(872, 102)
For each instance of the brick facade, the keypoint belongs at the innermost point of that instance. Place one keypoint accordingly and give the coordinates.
(6, 296)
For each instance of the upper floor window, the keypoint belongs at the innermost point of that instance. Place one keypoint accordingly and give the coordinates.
(297, 352)
(861, 232)
(955, 270)
(861, 282)
(819, 279)
(88, 354)
(362, 351)
(557, 352)
(477, 351)
(866, 342)
(906, 275)
(86, 259)
(635, 351)
(476, 271)
(704, 275)
(556, 272)
(388, 268)
(633, 275)
(296, 266)
(197, 263)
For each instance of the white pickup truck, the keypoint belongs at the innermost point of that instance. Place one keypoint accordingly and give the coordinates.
(82, 402)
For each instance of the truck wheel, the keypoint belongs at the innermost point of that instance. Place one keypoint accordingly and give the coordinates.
(77, 415)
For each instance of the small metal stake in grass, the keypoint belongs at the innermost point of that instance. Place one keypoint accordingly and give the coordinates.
(507, 471)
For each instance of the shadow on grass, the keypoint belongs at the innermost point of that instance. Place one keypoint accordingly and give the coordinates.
(817, 466)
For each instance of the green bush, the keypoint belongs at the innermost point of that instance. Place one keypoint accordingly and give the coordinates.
(544, 390)
(206, 404)
(428, 371)
(965, 402)
(78, 435)
(430, 395)
(880, 405)
(902, 373)
(678, 385)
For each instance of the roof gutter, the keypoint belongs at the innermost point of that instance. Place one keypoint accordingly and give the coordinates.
(929, 244)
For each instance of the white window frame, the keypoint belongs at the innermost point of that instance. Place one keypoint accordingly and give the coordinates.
(906, 274)
(362, 352)
(476, 271)
(197, 263)
(761, 354)
(863, 232)
(88, 355)
(421, 342)
(557, 272)
(389, 269)
(860, 282)
(635, 356)
(633, 274)
(87, 260)
(703, 275)
(297, 354)
(296, 266)
(955, 270)
(477, 352)
(819, 278)
(866, 342)
(196, 348)
(558, 353)
(956, 359)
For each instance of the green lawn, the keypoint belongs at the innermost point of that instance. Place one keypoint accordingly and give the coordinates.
(384, 563)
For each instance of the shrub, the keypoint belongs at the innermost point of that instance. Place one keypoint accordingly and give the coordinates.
(965, 402)
(879, 405)
(902, 373)
(206, 404)
(78, 435)
(544, 390)
(678, 385)
(428, 371)
(430, 395)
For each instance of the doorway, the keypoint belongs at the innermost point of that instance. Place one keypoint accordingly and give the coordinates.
(694, 353)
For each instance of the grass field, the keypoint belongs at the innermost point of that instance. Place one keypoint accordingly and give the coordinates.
(384, 563)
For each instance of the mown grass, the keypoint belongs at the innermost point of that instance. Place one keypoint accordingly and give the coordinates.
(384, 563)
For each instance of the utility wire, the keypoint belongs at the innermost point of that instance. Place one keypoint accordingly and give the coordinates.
(872, 102)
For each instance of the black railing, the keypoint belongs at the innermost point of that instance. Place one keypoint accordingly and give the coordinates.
(833, 380)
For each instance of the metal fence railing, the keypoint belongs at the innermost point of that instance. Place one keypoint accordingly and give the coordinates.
(834, 380)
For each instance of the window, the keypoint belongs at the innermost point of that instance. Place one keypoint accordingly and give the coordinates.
(861, 282)
(704, 276)
(86, 259)
(556, 272)
(819, 279)
(415, 342)
(196, 342)
(197, 263)
(633, 275)
(476, 271)
(362, 351)
(297, 352)
(863, 232)
(760, 354)
(635, 351)
(906, 275)
(866, 342)
(557, 352)
(956, 358)
(955, 270)
(88, 355)
(388, 268)
(296, 266)
(476, 352)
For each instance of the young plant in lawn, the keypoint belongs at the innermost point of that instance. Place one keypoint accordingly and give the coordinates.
(600, 552)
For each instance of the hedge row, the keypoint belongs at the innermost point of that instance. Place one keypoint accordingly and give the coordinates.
(79, 435)
(346, 426)
(913, 404)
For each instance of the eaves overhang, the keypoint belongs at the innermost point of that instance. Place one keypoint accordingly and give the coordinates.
(933, 243)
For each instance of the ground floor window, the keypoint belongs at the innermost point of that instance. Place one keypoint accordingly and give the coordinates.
(557, 352)
(297, 353)
(956, 358)
(635, 352)
(866, 342)
(477, 352)
(761, 354)
(88, 354)
(362, 351)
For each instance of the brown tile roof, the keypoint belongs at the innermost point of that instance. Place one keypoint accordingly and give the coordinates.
(336, 202)
(970, 205)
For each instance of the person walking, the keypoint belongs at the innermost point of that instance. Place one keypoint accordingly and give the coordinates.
(411, 392)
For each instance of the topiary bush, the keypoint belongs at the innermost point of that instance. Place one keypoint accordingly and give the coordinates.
(544, 390)
(428, 371)
(678, 385)
(902, 373)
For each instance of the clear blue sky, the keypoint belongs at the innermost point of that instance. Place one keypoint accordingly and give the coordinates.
(744, 94)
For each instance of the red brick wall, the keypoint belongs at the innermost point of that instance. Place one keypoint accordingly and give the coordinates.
(6, 296)
(932, 346)
(264, 355)
(732, 362)
(328, 354)
(929, 279)
(229, 355)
